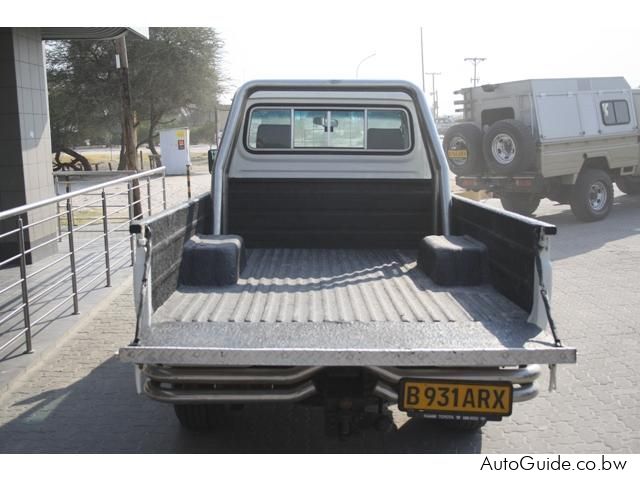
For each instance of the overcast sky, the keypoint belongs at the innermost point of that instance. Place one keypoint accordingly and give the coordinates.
(327, 39)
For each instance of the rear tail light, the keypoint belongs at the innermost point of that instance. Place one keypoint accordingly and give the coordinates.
(524, 182)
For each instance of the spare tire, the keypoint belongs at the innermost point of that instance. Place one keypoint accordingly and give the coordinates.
(509, 147)
(463, 148)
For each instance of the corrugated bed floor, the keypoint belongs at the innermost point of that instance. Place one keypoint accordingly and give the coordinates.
(337, 286)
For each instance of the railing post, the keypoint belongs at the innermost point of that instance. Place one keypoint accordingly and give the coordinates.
(72, 257)
(189, 181)
(25, 291)
(56, 186)
(105, 227)
(130, 197)
(149, 194)
(164, 191)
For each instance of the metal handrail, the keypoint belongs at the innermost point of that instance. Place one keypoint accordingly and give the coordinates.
(61, 198)
(114, 255)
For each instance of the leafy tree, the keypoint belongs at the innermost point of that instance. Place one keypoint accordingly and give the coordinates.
(173, 74)
(176, 71)
(83, 92)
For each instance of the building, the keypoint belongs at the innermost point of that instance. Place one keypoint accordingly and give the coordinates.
(25, 139)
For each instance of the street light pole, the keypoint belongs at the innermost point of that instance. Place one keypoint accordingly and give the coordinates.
(433, 92)
(362, 61)
(475, 61)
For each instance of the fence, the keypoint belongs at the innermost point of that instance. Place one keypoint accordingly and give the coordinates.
(90, 241)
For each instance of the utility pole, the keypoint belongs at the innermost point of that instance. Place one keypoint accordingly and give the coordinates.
(128, 131)
(422, 59)
(434, 94)
(475, 61)
(215, 121)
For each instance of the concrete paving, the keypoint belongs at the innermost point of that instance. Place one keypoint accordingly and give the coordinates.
(82, 399)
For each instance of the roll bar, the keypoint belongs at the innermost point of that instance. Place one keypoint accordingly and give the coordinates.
(234, 126)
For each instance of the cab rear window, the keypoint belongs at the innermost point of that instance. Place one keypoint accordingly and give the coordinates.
(313, 128)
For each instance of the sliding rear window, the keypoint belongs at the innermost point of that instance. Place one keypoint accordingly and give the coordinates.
(336, 129)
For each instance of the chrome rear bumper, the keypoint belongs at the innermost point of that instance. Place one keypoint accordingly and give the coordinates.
(294, 384)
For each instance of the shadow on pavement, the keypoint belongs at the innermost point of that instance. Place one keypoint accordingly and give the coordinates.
(102, 413)
(622, 222)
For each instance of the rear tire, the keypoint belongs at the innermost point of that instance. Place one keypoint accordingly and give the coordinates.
(592, 195)
(463, 137)
(629, 185)
(522, 203)
(201, 417)
(508, 147)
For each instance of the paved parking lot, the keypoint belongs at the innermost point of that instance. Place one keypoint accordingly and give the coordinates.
(82, 399)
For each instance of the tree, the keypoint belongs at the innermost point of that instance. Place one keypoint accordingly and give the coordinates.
(83, 92)
(177, 71)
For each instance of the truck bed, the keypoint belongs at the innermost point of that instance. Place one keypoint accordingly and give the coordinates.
(341, 307)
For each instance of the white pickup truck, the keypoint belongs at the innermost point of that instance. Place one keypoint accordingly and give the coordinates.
(330, 266)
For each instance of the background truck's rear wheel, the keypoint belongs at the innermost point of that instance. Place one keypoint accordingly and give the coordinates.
(522, 203)
(629, 185)
(508, 147)
(463, 147)
(201, 417)
(592, 195)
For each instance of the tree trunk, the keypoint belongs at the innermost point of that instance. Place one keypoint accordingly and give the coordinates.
(150, 142)
(122, 164)
(153, 123)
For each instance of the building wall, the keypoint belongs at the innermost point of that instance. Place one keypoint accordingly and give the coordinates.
(25, 138)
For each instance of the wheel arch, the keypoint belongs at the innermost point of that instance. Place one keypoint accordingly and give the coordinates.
(600, 162)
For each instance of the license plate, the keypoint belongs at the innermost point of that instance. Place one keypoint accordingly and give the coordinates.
(457, 153)
(451, 397)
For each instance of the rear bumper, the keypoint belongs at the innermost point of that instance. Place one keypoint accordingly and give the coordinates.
(183, 385)
(521, 183)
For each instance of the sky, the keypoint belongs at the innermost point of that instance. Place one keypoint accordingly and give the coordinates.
(329, 38)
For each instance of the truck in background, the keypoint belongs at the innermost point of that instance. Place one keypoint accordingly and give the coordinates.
(567, 140)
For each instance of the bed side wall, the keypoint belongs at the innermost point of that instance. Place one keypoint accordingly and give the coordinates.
(168, 232)
(512, 241)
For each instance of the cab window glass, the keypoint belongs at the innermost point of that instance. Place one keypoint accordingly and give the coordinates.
(311, 128)
(346, 129)
(270, 128)
(387, 130)
(290, 128)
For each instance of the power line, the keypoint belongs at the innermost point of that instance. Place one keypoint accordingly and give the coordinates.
(475, 61)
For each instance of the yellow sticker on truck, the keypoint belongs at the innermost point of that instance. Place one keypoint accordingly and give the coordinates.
(457, 154)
